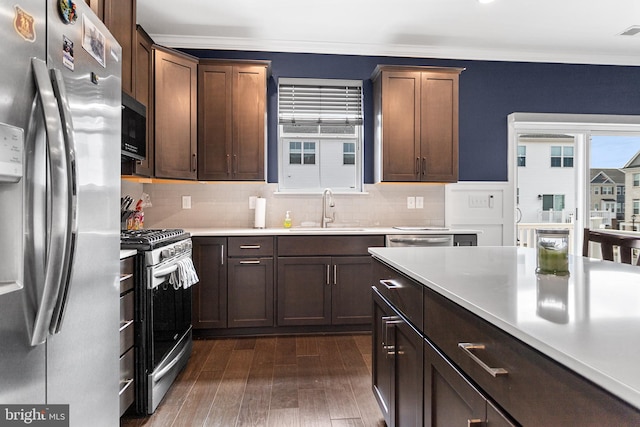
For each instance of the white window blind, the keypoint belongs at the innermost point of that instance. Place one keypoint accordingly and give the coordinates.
(336, 102)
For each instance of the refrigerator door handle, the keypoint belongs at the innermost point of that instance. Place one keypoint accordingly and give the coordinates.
(60, 91)
(56, 250)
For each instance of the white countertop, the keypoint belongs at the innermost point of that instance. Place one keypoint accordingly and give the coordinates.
(126, 253)
(588, 321)
(323, 231)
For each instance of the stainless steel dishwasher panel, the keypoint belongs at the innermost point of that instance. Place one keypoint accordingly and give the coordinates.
(418, 240)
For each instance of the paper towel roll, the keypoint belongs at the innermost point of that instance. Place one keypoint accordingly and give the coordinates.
(261, 213)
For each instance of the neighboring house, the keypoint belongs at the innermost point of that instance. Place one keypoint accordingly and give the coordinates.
(546, 178)
(632, 188)
(608, 192)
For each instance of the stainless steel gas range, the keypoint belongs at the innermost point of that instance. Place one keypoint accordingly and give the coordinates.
(163, 310)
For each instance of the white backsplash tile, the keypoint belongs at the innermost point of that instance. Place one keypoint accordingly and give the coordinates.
(223, 204)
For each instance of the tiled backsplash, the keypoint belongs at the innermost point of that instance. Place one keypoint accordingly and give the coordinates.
(224, 204)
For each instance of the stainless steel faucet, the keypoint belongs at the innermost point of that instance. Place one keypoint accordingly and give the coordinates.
(327, 219)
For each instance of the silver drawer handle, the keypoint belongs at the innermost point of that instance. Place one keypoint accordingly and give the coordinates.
(250, 261)
(468, 346)
(125, 277)
(124, 325)
(126, 383)
(249, 246)
(390, 284)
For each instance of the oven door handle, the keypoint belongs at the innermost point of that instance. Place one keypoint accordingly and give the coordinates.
(165, 271)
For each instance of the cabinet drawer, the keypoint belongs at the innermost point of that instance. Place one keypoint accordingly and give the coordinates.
(126, 274)
(127, 386)
(403, 293)
(250, 246)
(126, 308)
(327, 245)
(126, 336)
(535, 390)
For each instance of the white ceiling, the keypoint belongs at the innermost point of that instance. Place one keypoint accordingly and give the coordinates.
(569, 31)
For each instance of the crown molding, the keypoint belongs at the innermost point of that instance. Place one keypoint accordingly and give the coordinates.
(410, 51)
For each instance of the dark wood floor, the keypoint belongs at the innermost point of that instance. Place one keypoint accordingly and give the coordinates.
(272, 381)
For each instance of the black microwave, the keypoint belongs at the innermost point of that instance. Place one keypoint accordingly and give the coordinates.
(134, 128)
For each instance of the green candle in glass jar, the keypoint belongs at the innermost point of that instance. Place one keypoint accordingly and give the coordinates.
(553, 251)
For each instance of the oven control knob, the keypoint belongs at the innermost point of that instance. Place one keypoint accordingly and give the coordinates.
(167, 253)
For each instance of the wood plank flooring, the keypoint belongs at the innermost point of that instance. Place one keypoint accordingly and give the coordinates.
(319, 380)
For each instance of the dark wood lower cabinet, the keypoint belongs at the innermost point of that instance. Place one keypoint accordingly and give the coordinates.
(250, 292)
(450, 399)
(324, 290)
(397, 366)
(210, 294)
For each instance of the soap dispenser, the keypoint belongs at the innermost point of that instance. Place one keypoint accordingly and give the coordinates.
(287, 220)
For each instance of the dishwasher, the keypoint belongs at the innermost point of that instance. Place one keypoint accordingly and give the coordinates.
(418, 240)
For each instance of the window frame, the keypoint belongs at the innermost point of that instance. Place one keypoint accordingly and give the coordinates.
(356, 138)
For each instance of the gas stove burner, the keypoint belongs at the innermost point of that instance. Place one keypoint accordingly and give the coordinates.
(151, 238)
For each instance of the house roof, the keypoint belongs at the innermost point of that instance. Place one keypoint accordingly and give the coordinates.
(634, 162)
(607, 176)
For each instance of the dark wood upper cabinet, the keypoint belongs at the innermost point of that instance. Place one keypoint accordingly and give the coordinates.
(416, 119)
(175, 114)
(120, 17)
(231, 119)
(97, 6)
(144, 94)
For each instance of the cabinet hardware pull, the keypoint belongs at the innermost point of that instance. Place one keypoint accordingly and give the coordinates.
(126, 383)
(468, 346)
(124, 325)
(249, 246)
(250, 261)
(424, 166)
(335, 274)
(474, 423)
(228, 164)
(194, 163)
(386, 321)
(221, 254)
(235, 169)
(390, 284)
(126, 277)
(328, 274)
(418, 166)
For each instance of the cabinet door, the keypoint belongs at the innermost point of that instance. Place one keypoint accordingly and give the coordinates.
(97, 6)
(381, 363)
(449, 399)
(249, 107)
(120, 19)
(401, 125)
(215, 84)
(351, 290)
(210, 294)
(250, 291)
(144, 94)
(175, 115)
(407, 349)
(304, 291)
(439, 127)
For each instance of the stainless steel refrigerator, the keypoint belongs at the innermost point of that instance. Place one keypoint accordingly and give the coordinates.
(60, 106)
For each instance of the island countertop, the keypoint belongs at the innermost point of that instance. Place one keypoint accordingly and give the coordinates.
(588, 321)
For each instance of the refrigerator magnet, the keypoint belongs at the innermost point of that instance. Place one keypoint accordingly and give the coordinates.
(24, 24)
(93, 41)
(67, 9)
(67, 53)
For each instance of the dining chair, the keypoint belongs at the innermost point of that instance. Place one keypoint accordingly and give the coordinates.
(608, 240)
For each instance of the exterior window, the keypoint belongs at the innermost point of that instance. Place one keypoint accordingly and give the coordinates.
(522, 155)
(567, 157)
(636, 179)
(619, 190)
(320, 135)
(552, 202)
(561, 156)
(596, 190)
(348, 153)
(636, 207)
(607, 190)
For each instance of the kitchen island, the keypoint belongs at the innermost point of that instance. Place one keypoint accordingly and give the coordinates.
(538, 349)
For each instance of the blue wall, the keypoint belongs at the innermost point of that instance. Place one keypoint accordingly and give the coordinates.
(489, 91)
